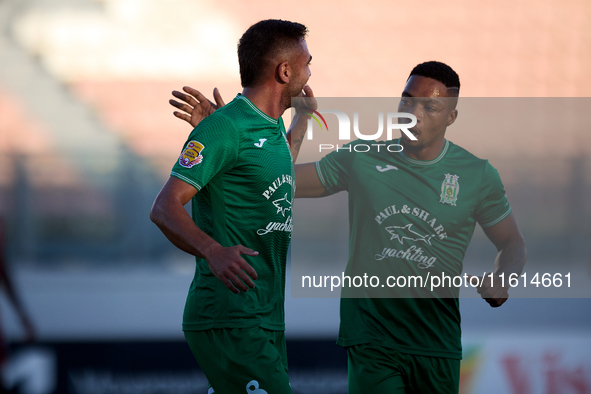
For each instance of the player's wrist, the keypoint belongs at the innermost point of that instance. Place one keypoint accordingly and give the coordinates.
(211, 250)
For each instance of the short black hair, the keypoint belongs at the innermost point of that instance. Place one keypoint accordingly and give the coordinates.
(438, 71)
(262, 41)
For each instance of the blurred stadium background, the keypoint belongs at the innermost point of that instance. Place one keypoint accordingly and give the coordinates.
(87, 138)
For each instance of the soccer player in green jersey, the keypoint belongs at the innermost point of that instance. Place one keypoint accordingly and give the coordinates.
(418, 209)
(412, 213)
(237, 169)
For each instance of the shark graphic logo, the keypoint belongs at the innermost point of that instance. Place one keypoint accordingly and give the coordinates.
(283, 205)
(400, 233)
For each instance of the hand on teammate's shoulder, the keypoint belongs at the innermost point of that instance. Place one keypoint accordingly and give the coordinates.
(194, 105)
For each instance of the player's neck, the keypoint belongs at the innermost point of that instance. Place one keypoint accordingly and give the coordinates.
(427, 153)
(267, 99)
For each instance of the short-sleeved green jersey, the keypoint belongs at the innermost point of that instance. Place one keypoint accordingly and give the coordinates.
(238, 159)
(410, 217)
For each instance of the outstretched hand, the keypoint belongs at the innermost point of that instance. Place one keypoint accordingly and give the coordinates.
(195, 106)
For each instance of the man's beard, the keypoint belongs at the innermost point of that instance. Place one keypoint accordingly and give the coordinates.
(289, 92)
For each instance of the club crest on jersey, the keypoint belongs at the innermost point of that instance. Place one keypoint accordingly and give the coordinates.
(191, 155)
(450, 189)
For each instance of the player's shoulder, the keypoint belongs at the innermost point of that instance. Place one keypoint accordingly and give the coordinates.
(244, 115)
(457, 152)
(226, 118)
(469, 160)
(229, 112)
(234, 107)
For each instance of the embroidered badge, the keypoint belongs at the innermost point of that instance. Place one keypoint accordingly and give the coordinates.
(450, 189)
(191, 155)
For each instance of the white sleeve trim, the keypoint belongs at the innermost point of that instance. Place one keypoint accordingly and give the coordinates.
(503, 216)
(184, 178)
(321, 176)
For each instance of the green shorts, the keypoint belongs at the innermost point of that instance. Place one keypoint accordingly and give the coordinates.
(242, 360)
(380, 370)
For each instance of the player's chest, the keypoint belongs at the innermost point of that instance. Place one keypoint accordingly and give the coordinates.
(263, 165)
(398, 193)
(262, 149)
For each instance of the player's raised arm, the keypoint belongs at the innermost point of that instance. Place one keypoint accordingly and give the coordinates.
(299, 124)
(511, 258)
(169, 214)
(195, 106)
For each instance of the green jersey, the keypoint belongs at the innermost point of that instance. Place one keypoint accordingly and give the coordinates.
(408, 218)
(239, 160)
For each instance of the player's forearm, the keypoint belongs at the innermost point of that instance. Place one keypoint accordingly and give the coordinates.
(511, 258)
(307, 181)
(296, 133)
(174, 222)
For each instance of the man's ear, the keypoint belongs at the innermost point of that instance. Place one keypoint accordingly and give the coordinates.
(452, 117)
(284, 72)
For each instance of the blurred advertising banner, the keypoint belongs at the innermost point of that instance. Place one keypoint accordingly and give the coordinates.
(527, 364)
(523, 364)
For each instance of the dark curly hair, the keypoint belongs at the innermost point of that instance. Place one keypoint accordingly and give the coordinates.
(438, 71)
